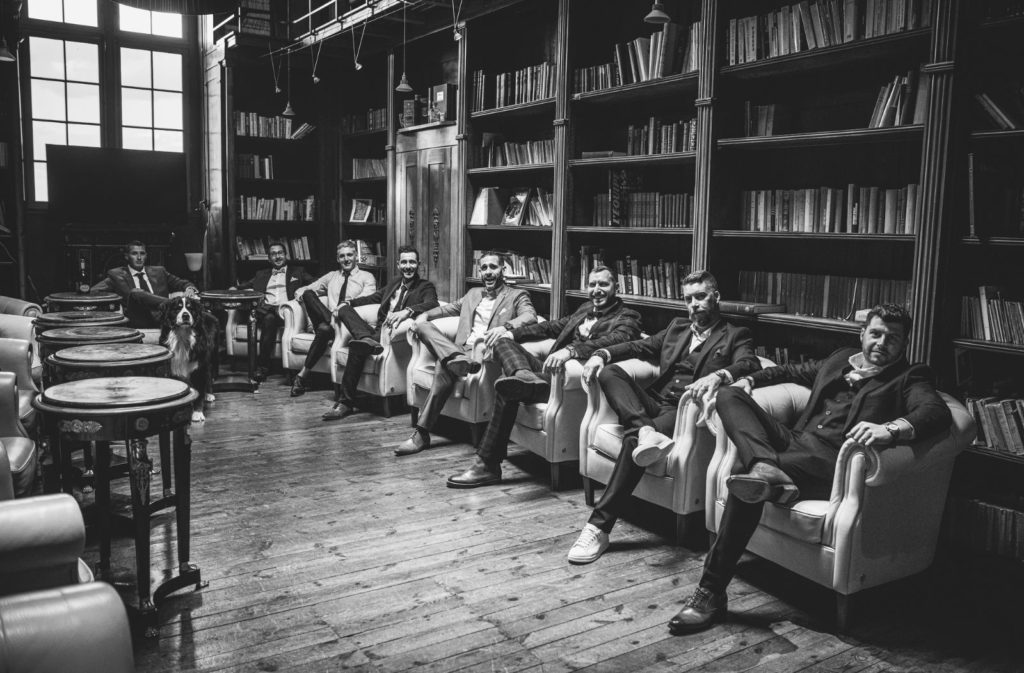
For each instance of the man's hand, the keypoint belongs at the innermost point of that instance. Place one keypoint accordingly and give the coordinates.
(556, 361)
(492, 335)
(191, 291)
(592, 367)
(414, 328)
(393, 319)
(705, 387)
(870, 434)
(744, 385)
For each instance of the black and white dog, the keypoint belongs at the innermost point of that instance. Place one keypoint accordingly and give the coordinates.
(191, 336)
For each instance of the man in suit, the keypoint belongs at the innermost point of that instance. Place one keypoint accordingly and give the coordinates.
(870, 395)
(603, 321)
(695, 354)
(485, 315)
(340, 286)
(278, 285)
(144, 289)
(403, 298)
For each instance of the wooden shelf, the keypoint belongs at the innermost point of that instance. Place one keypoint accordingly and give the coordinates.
(895, 134)
(990, 346)
(521, 169)
(267, 261)
(506, 227)
(994, 241)
(276, 222)
(989, 452)
(537, 107)
(672, 231)
(1001, 135)
(851, 53)
(269, 182)
(515, 282)
(365, 181)
(424, 127)
(364, 134)
(640, 91)
(636, 300)
(349, 223)
(633, 160)
(816, 236)
(810, 322)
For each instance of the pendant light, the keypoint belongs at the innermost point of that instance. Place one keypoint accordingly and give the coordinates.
(403, 85)
(657, 13)
(288, 111)
(5, 53)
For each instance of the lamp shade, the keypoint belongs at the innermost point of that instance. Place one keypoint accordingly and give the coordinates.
(183, 6)
(194, 261)
(657, 14)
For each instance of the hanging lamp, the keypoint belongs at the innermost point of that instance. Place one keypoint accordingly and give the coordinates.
(288, 111)
(657, 14)
(403, 84)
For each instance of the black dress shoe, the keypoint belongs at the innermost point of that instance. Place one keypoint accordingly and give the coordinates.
(523, 385)
(764, 483)
(460, 366)
(298, 387)
(338, 412)
(701, 610)
(418, 440)
(261, 373)
(366, 345)
(480, 474)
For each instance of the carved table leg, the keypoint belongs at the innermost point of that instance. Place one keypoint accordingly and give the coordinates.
(103, 504)
(250, 336)
(165, 462)
(139, 465)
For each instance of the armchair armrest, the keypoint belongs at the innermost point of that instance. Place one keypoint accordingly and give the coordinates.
(599, 412)
(13, 306)
(10, 422)
(41, 539)
(16, 357)
(343, 336)
(294, 316)
(17, 326)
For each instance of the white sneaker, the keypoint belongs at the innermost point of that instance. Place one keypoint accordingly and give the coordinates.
(652, 447)
(589, 545)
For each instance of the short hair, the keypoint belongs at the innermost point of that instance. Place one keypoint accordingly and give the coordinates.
(701, 276)
(133, 244)
(493, 253)
(601, 267)
(891, 313)
(278, 244)
(348, 243)
(408, 248)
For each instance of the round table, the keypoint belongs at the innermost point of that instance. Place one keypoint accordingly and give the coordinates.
(47, 321)
(242, 300)
(53, 340)
(108, 359)
(73, 301)
(130, 409)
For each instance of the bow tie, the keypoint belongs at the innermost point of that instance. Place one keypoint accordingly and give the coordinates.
(275, 272)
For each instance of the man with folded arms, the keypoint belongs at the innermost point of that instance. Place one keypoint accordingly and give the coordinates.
(697, 354)
(405, 297)
(603, 321)
(485, 314)
(340, 286)
(870, 395)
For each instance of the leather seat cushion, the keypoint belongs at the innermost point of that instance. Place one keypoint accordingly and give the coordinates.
(301, 342)
(608, 443)
(21, 452)
(150, 335)
(532, 415)
(373, 363)
(804, 521)
(423, 376)
(241, 334)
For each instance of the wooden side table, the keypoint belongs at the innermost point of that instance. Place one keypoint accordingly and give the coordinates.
(72, 301)
(53, 341)
(242, 300)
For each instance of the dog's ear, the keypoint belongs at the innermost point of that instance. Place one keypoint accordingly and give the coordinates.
(166, 309)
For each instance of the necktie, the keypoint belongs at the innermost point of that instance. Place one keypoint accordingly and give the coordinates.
(400, 304)
(344, 287)
(144, 282)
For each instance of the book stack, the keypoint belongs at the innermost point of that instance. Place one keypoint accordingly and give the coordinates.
(529, 207)
(532, 83)
(659, 278)
(262, 126)
(850, 210)
(370, 167)
(990, 317)
(494, 151)
(902, 101)
(626, 205)
(819, 24)
(302, 131)
(667, 52)
(837, 297)
(657, 137)
(277, 208)
(255, 166)
(1003, 110)
(520, 267)
(780, 355)
(1000, 423)
(992, 528)
(253, 249)
(375, 119)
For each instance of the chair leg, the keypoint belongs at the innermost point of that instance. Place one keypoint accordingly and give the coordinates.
(475, 434)
(689, 531)
(844, 608)
(387, 407)
(588, 491)
(414, 415)
(560, 475)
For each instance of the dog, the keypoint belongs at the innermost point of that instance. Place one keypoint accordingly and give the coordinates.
(190, 334)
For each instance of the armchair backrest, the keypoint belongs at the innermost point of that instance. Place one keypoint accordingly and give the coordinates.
(6, 482)
(41, 539)
(14, 306)
(10, 423)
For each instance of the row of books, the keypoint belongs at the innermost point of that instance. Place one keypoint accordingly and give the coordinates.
(645, 209)
(780, 355)
(525, 85)
(277, 208)
(853, 210)
(667, 52)
(902, 101)
(1002, 110)
(818, 24)
(823, 296)
(1000, 423)
(369, 167)
(989, 317)
(521, 207)
(493, 151)
(255, 166)
(651, 278)
(520, 267)
(375, 119)
(657, 137)
(257, 248)
(987, 527)
(256, 125)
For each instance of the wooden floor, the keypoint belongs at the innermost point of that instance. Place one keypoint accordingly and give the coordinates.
(325, 552)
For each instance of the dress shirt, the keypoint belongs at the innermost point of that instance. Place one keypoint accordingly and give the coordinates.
(138, 281)
(481, 319)
(402, 288)
(699, 335)
(863, 370)
(277, 287)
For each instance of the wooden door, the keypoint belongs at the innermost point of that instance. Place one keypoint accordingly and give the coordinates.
(424, 205)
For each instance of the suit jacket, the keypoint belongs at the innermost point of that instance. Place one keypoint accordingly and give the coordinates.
(295, 277)
(616, 325)
(901, 390)
(360, 284)
(120, 280)
(728, 347)
(422, 297)
(513, 307)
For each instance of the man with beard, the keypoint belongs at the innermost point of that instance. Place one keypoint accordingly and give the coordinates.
(485, 314)
(340, 286)
(278, 285)
(405, 297)
(603, 321)
(870, 395)
(697, 354)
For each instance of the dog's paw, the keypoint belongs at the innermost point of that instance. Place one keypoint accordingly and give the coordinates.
(198, 417)
(210, 397)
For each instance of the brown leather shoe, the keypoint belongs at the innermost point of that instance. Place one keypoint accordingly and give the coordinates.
(523, 385)
(366, 345)
(460, 366)
(764, 483)
(700, 611)
(298, 387)
(480, 474)
(418, 440)
(339, 411)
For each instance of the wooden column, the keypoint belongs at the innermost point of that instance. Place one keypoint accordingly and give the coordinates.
(705, 146)
(394, 218)
(462, 203)
(935, 206)
(562, 178)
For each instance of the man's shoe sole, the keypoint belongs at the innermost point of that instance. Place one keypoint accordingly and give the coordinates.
(463, 367)
(513, 387)
(754, 490)
(649, 454)
(683, 630)
(584, 560)
(363, 347)
(408, 452)
(474, 484)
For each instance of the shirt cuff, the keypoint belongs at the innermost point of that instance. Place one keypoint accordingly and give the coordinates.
(907, 432)
(603, 354)
(725, 375)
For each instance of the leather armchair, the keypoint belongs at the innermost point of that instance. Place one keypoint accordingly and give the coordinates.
(19, 449)
(383, 375)
(13, 306)
(22, 327)
(882, 520)
(236, 336)
(296, 338)
(16, 357)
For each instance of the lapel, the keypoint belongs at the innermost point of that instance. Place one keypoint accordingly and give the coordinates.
(680, 347)
(714, 339)
(574, 322)
(499, 306)
(875, 383)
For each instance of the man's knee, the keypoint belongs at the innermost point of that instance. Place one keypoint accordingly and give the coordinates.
(610, 373)
(324, 332)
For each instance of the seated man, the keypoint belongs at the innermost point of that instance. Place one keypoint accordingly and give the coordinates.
(696, 354)
(603, 321)
(345, 284)
(485, 314)
(143, 289)
(871, 395)
(278, 285)
(405, 297)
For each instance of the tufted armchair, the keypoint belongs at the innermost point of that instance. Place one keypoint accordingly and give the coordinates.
(17, 357)
(236, 335)
(20, 455)
(384, 375)
(13, 306)
(881, 522)
(296, 338)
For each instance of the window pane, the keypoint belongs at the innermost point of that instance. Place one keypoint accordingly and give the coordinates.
(82, 12)
(136, 139)
(135, 68)
(46, 133)
(166, 71)
(83, 61)
(84, 134)
(48, 100)
(168, 141)
(166, 110)
(168, 25)
(47, 57)
(84, 103)
(136, 107)
(47, 10)
(42, 193)
(134, 20)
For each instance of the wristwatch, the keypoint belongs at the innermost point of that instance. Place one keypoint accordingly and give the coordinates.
(571, 350)
(893, 429)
